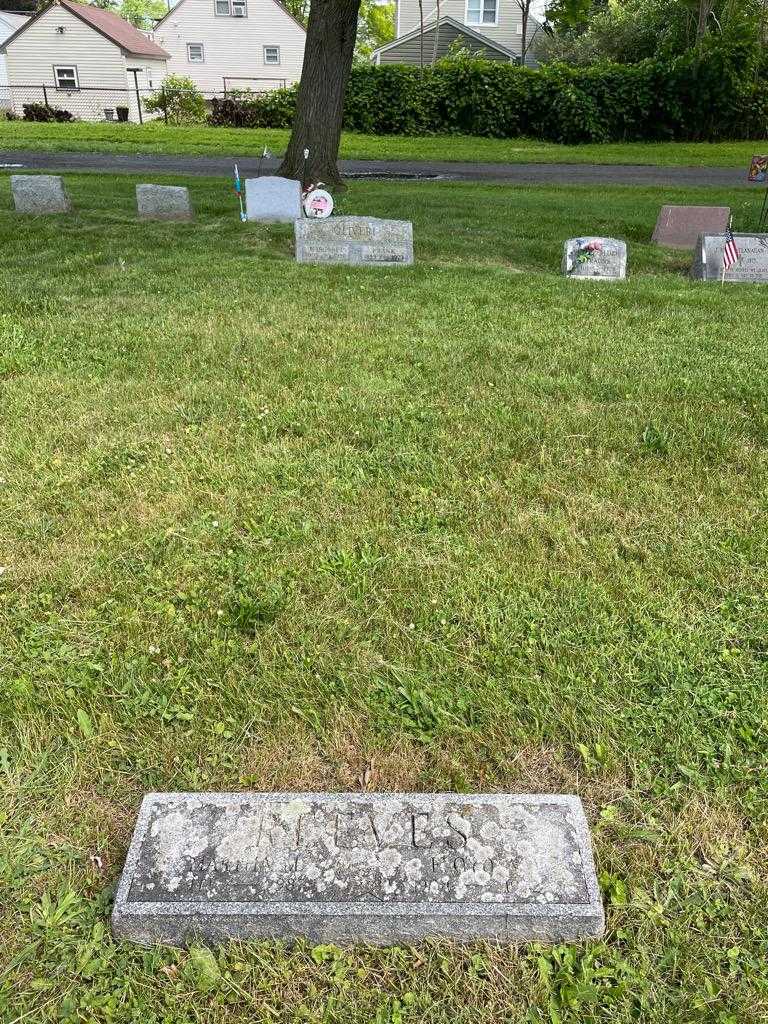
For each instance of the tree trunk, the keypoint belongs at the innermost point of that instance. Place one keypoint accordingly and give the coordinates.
(320, 102)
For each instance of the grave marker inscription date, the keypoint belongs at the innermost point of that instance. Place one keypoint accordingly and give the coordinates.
(349, 867)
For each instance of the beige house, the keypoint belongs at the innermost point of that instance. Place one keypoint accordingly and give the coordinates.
(492, 28)
(83, 59)
(9, 23)
(232, 44)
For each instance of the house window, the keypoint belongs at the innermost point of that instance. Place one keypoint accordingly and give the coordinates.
(195, 53)
(271, 54)
(232, 8)
(482, 12)
(222, 7)
(66, 77)
(239, 9)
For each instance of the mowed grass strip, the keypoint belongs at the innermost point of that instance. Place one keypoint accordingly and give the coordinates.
(467, 526)
(205, 140)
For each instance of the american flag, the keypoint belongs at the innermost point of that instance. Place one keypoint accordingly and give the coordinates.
(731, 254)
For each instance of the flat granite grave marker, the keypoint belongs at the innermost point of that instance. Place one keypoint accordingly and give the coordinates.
(163, 202)
(358, 867)
(357, 241)
(595, 259)
(751, 268)
(679, 227)
(272, 200)
(39, 193)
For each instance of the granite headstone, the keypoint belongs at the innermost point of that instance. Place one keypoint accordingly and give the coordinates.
(595, 259)
(679, 227)
(358, 241)
(163, 202)
(39, 193)
(272, 199)
(358, 867)
(751, 267)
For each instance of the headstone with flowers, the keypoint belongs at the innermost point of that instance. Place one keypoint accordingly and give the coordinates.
(595, 259)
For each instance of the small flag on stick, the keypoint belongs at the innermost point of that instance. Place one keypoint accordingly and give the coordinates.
(239, 193)
(731, 254)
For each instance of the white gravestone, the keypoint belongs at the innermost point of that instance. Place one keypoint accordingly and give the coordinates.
(358, 867)
(595, 259)
(357, 241)
(39, 193)
(272, 200)
(751, 267)
(163, 202)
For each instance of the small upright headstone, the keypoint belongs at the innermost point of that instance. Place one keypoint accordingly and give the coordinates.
(358, 867)
(595, 259)
(679, 227)
(39, 193)
(750, 268)
(272, 199)
(163, 202)
(357, 241)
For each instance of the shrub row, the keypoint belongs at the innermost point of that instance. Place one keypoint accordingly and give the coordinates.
(42, 112)
(712, 98)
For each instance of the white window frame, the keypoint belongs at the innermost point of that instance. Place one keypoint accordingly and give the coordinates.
(66, 67)
(481, 23)
(218, 13)
(239, 3)
(272, 63)
(196, 60)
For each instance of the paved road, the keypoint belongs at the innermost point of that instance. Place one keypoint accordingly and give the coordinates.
(522, 174)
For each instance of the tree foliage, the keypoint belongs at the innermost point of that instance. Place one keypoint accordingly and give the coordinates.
(178, 100)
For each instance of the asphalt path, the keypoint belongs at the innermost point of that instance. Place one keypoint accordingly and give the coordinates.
(516, 174)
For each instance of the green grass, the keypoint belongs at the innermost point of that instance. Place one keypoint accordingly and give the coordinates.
(469, 526)
(201, 140)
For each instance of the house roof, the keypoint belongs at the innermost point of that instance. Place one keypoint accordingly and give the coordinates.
(111, 26)
(429, 26)
(14, 21)
(277, 3)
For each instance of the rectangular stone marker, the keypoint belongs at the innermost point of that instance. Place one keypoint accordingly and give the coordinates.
(679, 227)
(595, 259)
(163, 202)
(358, 867)
(272, 200)
(39, 193)
(358, 241)
(752, 268)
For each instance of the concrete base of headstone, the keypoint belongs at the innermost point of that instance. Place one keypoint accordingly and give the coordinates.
(595, 259)
(751, 268)
(163, 202)
(272, 200)
(356, 241)
(679, 227)
(357, 867)
(39, 193)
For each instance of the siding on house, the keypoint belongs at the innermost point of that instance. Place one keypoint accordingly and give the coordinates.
(233, 48)
(408, 51)
(9, 23)
(507, 31)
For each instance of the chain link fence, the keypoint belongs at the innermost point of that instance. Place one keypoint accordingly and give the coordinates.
(92, 103)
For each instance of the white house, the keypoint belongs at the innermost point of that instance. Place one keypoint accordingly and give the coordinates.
(9, 23)
(492, 28)
(232, 44)
(82, 59)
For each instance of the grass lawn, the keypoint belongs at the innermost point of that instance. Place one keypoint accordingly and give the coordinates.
(240, 142)
(469, 526)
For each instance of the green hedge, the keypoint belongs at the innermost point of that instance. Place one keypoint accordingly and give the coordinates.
(718, 96)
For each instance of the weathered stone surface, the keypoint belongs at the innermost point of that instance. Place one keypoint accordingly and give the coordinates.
(163, 202)
(607, 261)
(39, 193)
(347, 867)
(272, 199)
(752, 267)
(679, 227)
(358, 241)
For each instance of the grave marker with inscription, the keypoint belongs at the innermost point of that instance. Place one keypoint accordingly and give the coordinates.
(359, 241)
(357, 867)
(39, 193)
(595, 259)
(679, 227)
(163, 202)
(272, 200)
(751, 268)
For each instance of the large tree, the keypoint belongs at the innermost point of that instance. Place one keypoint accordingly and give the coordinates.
(328, 53)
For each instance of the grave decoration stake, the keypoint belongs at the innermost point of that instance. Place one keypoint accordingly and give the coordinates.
(304, 169)
(265, 155)
(316, 202)
(731, 254)
(239, 193)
